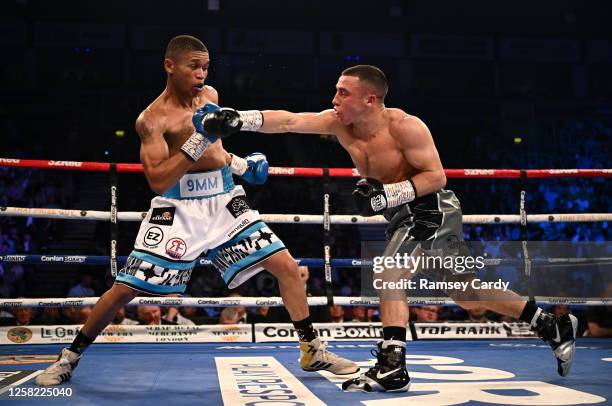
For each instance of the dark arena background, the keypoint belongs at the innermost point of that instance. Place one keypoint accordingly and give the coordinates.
(517, 96)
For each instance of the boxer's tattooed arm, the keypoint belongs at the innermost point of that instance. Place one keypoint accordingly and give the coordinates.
(161, 169)
(144, 128)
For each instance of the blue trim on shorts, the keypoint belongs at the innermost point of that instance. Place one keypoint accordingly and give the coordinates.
(252, 259)
(228, 185)
(147, 287)
(164, 263)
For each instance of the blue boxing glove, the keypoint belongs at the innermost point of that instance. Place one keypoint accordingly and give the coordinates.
(201, 139)
(253, 169)
(200, 116)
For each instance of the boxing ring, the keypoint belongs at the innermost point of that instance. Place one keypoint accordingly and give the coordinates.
(502, 365)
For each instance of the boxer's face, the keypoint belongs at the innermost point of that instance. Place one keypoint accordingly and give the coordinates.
(352, 99)
(188, 71)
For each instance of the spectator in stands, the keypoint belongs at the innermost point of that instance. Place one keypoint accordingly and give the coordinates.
(120, 318)
(229, 315)
(75, 315)
(363, 314)
(24, 316)
(241, 310)
(151, 316)
(477, 315)
(83, 289)
(50, 316)
(337, 313)
(29, 245)
(21, 316)
(180, 316)
(260, 315)
(560, 310)
(599, 318)
(426, 314)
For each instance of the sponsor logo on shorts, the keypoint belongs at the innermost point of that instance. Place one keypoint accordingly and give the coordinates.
(153, 236)
(163, 216)
(239, 227)
(19, 335)
(176, 247)
(238, 206)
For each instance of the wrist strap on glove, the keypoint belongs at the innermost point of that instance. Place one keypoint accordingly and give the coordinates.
(195, 146)
(252, 120)
(399, 193)
(238, 165)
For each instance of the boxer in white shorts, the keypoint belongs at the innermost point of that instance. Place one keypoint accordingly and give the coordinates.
(199, 210)
(204, 213)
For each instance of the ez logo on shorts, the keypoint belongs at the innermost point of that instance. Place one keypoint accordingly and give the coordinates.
(153, 236)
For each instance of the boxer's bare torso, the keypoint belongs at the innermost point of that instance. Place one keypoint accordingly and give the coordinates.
(166, 124)
(379, 154)
(172, 123)
(386, 144)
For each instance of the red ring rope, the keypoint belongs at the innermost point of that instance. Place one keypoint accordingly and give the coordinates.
(318, 172)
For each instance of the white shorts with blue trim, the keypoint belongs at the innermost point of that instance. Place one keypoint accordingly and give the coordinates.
(177, 231)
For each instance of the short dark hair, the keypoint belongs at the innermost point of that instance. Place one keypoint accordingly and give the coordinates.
(184, 43)
(371, 74)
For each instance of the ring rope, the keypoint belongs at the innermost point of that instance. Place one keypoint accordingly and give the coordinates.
(319, 172)
(307, 218)
(274, 301)
(69, 259)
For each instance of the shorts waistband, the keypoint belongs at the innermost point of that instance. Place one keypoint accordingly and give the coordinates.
(202, 185)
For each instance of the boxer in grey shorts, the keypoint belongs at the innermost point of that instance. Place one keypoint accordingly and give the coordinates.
(402, 178)
(433, 223)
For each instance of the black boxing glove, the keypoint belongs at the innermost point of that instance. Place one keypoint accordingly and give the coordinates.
(222, 123)
(372, 197)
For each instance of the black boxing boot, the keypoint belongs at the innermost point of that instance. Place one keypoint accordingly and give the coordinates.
(560, 333)
(387, 375)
